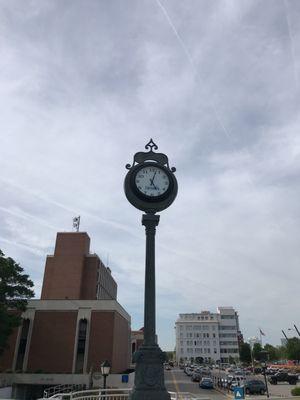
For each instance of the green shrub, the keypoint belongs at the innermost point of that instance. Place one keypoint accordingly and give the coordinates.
(296, 391)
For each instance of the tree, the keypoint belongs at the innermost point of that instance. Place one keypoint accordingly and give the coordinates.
(231, 360)
(293, 348)
(273, 353)
(170, 356)
(282, 354)
(15, 290)
(245, 353)
(256, 351)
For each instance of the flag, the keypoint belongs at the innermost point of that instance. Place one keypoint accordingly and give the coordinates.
(76, 222)
(261, 332)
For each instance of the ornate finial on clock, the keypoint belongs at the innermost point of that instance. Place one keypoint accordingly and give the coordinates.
(151, 145)
(150, 155)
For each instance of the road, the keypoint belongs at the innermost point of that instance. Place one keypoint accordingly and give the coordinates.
(177, 381)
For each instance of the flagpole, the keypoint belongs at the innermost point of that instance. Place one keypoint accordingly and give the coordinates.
(260, 335)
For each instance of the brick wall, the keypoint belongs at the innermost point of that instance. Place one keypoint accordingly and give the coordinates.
(52, 342)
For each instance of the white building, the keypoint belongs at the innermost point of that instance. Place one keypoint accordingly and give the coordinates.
(210, 336)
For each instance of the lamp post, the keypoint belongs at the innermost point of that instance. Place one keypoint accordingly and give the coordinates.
(105, 371)
(151, 186)
(294, 329)
(263, 355)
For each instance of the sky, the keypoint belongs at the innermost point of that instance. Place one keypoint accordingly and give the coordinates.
(85, 84)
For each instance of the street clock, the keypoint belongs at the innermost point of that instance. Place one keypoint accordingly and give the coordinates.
(150, 184)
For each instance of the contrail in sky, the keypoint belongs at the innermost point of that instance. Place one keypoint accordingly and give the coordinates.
(220, 121)
(190, 59)
(291, 42)
(27, 216)
(44, 198)
(30, 248)
(182, 44)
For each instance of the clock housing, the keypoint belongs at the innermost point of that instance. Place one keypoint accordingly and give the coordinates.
(150, 184)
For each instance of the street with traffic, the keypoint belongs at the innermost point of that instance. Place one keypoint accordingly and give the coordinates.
(179, 381)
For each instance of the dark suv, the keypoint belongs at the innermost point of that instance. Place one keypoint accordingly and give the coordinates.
(255, 386)
(283, 377)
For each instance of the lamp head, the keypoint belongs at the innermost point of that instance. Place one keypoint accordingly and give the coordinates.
(105, 368)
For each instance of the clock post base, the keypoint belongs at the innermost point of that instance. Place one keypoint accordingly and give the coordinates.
(149, 383)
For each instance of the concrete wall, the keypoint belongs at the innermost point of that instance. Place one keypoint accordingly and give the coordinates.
(6, 392)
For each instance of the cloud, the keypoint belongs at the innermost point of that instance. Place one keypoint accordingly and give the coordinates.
(214, 83)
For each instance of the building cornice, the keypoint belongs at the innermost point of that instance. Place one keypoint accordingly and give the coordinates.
(74, 305)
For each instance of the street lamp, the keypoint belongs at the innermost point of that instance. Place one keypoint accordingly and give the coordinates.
(150, 186)
(295, 329)
(105, 371)
(263, 355)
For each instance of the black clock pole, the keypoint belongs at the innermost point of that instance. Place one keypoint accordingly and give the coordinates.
(149, 383)
(150, 222)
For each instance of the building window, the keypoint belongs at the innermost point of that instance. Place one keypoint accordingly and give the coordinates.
(227, 335)
(133, 348)
(227, 327)
(22, 344)
(82, 329)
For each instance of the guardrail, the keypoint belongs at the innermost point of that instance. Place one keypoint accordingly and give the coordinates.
(117, 394)
(58, 389)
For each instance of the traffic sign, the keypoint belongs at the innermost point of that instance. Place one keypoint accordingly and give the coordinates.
(239, 393)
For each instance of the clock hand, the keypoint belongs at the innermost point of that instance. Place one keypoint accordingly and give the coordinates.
(152, 181)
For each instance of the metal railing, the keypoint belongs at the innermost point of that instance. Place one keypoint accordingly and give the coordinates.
(61, 390)
(118, 394)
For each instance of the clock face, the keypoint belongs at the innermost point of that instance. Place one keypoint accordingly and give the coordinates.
(152, 181)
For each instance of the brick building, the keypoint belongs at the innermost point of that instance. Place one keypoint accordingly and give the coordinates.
(75, 326)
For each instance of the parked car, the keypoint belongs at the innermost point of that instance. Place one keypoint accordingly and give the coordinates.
(206, 371)
(188, 371)
(206, 383)
(236, 381)
(283, 377)
(255, 386)
(224, 383)
(196, 376)
(271, 371)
